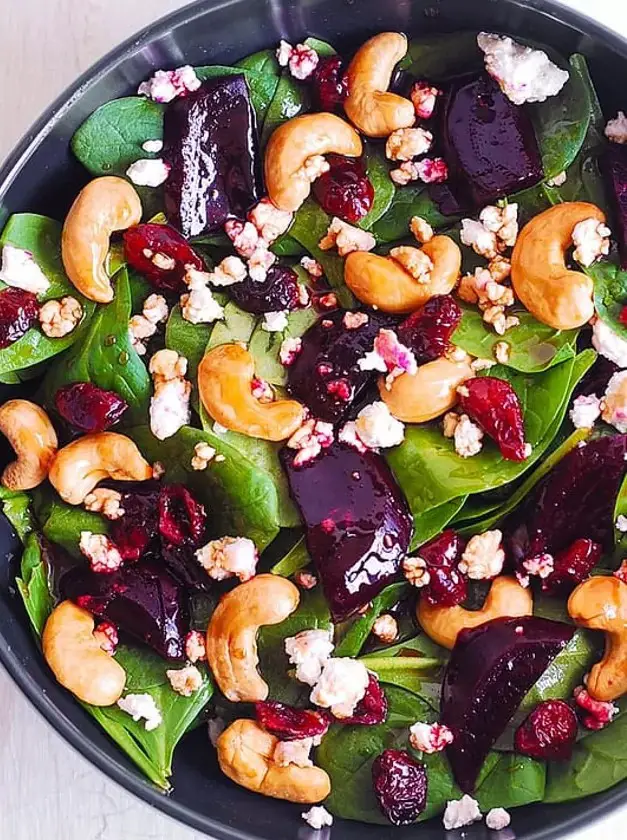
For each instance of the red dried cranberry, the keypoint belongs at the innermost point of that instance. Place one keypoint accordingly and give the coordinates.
(278, 291)
(330, 86)
(345, 190)
(181, 518)
(494, 405)
(400, 785)
(594, 714)
(372, 709)
(161, 254)
(88, 407)
(428, 331)
(290, 724)
(572, 566)
(134, 531)
(447, 586)
(549, 733)
(623, 316)
(18, 313)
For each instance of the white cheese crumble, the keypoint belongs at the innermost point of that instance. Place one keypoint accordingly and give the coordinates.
(621, 523)
(20, 270)
(185, 681)
(467, 437)
(483, 557)
(377, 428)
(497, 819)
(269, 221)
(140, 706)
(169, 405)
(591, 241)
(608, 343)
(317, 817)
(309, 650)
(461, 812)
(614, 403)
(310, 439)
(166, 85)
(229, 557)
(301, 60)
(200, 307)
(231, 270)
(385, 628)
(203, 456)
(430, 737)
(293, 752)
(274, 321)
(421, 229)
(290, 348)
(153, 147)
(585, 412)
(148, 172)
(616, 129)
(342, 684)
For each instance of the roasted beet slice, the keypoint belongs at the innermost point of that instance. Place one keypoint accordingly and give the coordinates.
(330, 353)
(615, 165)
(400, 786)
(491, 669)
(277, 292)
(489, 143)
(447, 586)
(18, 313)
(210, 142)
(494, 405)
(290, 724)
(182, 520)
(345, 190)
(357, 520)
(572, 566)
(428, 331)
(161, 254)
(89, 408)
(137, 528)
(142, 599)
(549, 733)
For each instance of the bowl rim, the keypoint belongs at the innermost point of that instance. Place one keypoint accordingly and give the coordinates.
(25, 681)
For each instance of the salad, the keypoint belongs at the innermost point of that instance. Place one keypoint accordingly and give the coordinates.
(318, 400)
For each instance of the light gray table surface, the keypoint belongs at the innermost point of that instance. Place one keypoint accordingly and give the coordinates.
(47, 791)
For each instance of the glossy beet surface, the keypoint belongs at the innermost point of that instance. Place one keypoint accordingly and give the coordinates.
(549, 733)
(277, 292)
(428, 331)
(494, 405)
(18, 313)
(572, 566)
(142, 599)
(344, 190)
(330, 353)
(210, 143)
(447, 586)
(182, 520)
(372, 709)
(616, 167)
(138, 527)
(89, 408)
(290, 724)
(329, 84)
(491, 669)
(489, 143)
(400, 785)
(161, 255)
(357, 523)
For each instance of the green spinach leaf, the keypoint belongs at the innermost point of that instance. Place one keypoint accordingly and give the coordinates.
(295, 560)
(378, 170)
(509, 781)
(438, 57)
(412, 200)
(33, 583)
(16, 507)
(610, 293)
(62, 523)
(190, 340)
(290, 99)
(430, 523)
(353, 637)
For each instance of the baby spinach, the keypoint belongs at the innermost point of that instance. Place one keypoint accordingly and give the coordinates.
(190, 340)
(610, 293)
(237, 325)
(410, 672)
(437, 57)
(295, 560)
(412, 200)
(509, 781)
(16, 507)
(323, 48)
(290, 99)
(287, 246)
(262, 75)
(62, 523)
(32, 583)
(351, 638)
(430, 523)
(378, 171)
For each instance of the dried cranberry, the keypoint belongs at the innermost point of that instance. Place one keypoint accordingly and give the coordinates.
(345, 190)
(372, 709)
(494, 405)
(400, 785)
(290, 724)
(161, 254)
(330, 85)
(594, 714)
(447, 586)
(549, 733)
(88, 407)
(428, 331)
(181, 518)
(278, 291)
(135, 530)
(18, 312)
(572, 566)
(623, 316)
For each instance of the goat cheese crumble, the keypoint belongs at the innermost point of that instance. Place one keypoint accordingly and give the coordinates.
(166, 85)
(140, 706)
(274, 321)
(616, 129)
(585, 412)
(185, 681)
(20, 270)
(497, 819)
(148, 172)
(229, 557)
(317, 817)
(309, 650)
(608, 343)
(430, 737)
(461, 812)
(341, 685)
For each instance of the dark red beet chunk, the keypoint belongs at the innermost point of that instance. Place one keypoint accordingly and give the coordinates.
(596, 379)
(615, 164)
(400, 785)
(142, 599)
(89, 408)
(491, 669)
(372, 709)
(428, 331)
(290, 724)
(330, 87)
(357, 520)
(489, 143)
(182, 520)
(329, 353)
(150, 248)
(345, 190)
(181, 562)
(18, 313)
(137, 528)
(549, 733)
(572, 566)
(494, 405)
(278, 291)
(447, 586)
(210, 142)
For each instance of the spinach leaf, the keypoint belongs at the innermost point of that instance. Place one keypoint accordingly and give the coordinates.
(410, 672)
(509, 781)
(620, 537)
(190, 340)
(610, 293)
(290, 99)
(262, 85)
(32, 583)
(430, 523)
(412, 200)
(287, 246)
(378, 171)
(437, 57)
(236, 326)
(323, 48)
(62, 523)
(16, 507)
(295, 560)
(352, 639)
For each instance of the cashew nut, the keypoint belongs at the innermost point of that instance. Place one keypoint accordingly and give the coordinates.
(292, 144)
(224, 383)
(505, 598)
(79, 466)
(369, 105)
(105, 205)
(600, 603)
(76, 658)
(232, 633)
(384, 283)
(428, 393)
(553, 293)
(245, 755)
(31, 434)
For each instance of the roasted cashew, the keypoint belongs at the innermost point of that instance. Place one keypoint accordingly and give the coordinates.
(224, 384)
(600, 603)
(79, 466)
(31, 434)
(428, 393)
(384, 283)
(292, 144)
(505, 598)
(245, 755)
(105, 205)
(232, 633)
(369, 105)
(553, 293)
(76, 658)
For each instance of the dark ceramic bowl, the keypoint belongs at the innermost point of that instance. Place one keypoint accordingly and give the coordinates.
(42, 176)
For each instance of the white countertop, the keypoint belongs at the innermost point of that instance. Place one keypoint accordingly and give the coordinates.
(47, 791)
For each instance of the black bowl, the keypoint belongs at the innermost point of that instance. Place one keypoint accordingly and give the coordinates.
(41, 176)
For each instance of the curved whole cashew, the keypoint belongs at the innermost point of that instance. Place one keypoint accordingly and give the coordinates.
(232, 633)
(428, 393)
(28, 429)
(369, 105)
(553, 293)
(384, 283)
(290, 147)
(225, 378)
(505, 598)
(105, 205)
(600, 603)
(79, 466)
(245, 755)
(76, 658)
